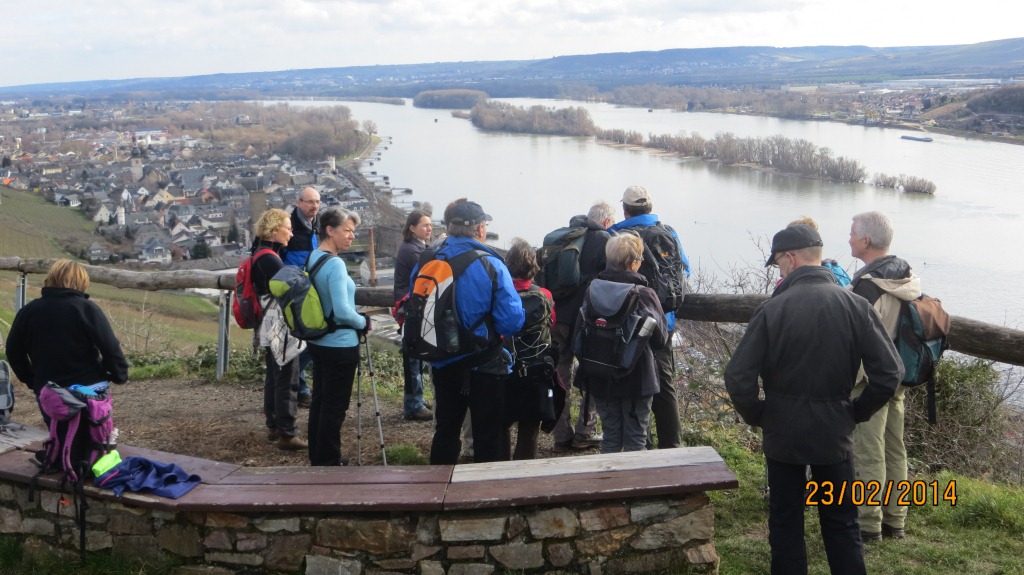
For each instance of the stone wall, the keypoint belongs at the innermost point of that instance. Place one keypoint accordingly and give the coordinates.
(665, 534)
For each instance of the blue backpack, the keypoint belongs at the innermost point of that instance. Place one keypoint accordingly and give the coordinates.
(842, 278)
(920, 341)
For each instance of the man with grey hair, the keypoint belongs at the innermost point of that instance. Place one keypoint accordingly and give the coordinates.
(303, 242)
(778, 380)
(880, 453)
(567, 305)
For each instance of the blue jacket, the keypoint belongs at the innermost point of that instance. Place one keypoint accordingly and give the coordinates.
(141, 474)
(647, 220)
(303, 240)
(473, 293)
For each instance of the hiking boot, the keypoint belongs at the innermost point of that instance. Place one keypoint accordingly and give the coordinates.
(272, 434)
(870, 536)
(580, 442)
(421, 414)
(893, 532)
(561, 446)
(291, 443)
(304, 400)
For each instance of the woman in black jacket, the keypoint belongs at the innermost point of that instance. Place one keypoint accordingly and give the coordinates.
(63, 337)
(624, 404)
(417, 232)
(281, 382)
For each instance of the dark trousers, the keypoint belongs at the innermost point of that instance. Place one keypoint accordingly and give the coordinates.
(527, 431)
(839, 528)
(334, 370)
(665, 405)
(455, 390)
(280, 389)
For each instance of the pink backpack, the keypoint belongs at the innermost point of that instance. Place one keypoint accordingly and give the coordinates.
(81, 428)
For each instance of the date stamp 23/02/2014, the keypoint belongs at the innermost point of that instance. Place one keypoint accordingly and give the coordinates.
(900, 493)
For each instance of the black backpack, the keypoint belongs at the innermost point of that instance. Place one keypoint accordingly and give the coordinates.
(611, 333)
(663, 265)
(534, 338)
(559, 261)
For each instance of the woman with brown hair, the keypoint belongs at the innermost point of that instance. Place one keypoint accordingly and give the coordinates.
(530, 348)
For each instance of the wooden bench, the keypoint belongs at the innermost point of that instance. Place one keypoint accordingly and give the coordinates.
(399, 496)
(233, 488)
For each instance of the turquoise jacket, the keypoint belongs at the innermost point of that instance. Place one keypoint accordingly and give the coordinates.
(337, 294)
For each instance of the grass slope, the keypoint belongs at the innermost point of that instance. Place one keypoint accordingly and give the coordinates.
(145, 322)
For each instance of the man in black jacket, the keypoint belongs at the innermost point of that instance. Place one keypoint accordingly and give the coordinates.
(303, 242)
(592, 262)
(806, 345)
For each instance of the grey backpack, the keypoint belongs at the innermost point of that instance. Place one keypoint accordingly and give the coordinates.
(6, 395)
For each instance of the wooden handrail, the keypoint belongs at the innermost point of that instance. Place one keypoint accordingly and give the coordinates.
(968, 336)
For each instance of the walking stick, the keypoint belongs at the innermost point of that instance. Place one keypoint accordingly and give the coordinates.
(376, 403)
(359, 414)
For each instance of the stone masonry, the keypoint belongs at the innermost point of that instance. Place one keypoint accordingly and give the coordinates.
(664, 534)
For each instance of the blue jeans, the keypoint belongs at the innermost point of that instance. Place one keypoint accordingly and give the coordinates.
(625, 422)
(840, 532)
(413, 385)
(304, 358)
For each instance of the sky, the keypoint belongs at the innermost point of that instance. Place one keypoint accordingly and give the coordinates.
(75, 40)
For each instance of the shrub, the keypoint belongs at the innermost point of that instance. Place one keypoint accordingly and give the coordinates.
(972, 434)
(244, 366)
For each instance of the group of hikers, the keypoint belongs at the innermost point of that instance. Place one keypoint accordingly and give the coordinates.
(816, 368)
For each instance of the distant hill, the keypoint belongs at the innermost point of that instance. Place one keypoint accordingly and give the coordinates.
(733, 66)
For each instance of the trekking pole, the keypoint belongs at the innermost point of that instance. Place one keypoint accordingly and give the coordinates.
(376, 404)
(359, 414)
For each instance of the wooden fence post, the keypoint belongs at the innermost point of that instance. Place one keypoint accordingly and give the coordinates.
(223, 332)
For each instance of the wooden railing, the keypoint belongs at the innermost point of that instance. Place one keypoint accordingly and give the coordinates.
(968, 336)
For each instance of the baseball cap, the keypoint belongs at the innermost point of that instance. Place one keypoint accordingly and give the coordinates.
(468, 214)
(636, 196)
(794, 237)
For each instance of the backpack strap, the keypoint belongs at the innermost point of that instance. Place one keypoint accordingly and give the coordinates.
(332, 327)
(459, 264)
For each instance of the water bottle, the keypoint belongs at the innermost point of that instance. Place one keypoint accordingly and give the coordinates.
(113, 438)
(450, 331)
(647, 328)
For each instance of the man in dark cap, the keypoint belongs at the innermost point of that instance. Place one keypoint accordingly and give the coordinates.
(489, 306)
(806, 344)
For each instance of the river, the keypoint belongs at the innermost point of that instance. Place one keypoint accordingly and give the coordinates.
(960, 240)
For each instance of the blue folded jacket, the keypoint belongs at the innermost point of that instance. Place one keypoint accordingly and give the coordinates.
(141, 474)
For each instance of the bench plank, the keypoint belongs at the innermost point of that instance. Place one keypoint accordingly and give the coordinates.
(18, 436)
(629, 461)
(402, 475)
(594, 486)
(359, 497)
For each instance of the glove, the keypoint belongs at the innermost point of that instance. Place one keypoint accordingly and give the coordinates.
(369, 325)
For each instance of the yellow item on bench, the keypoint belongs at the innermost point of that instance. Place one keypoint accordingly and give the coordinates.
(106, 463)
